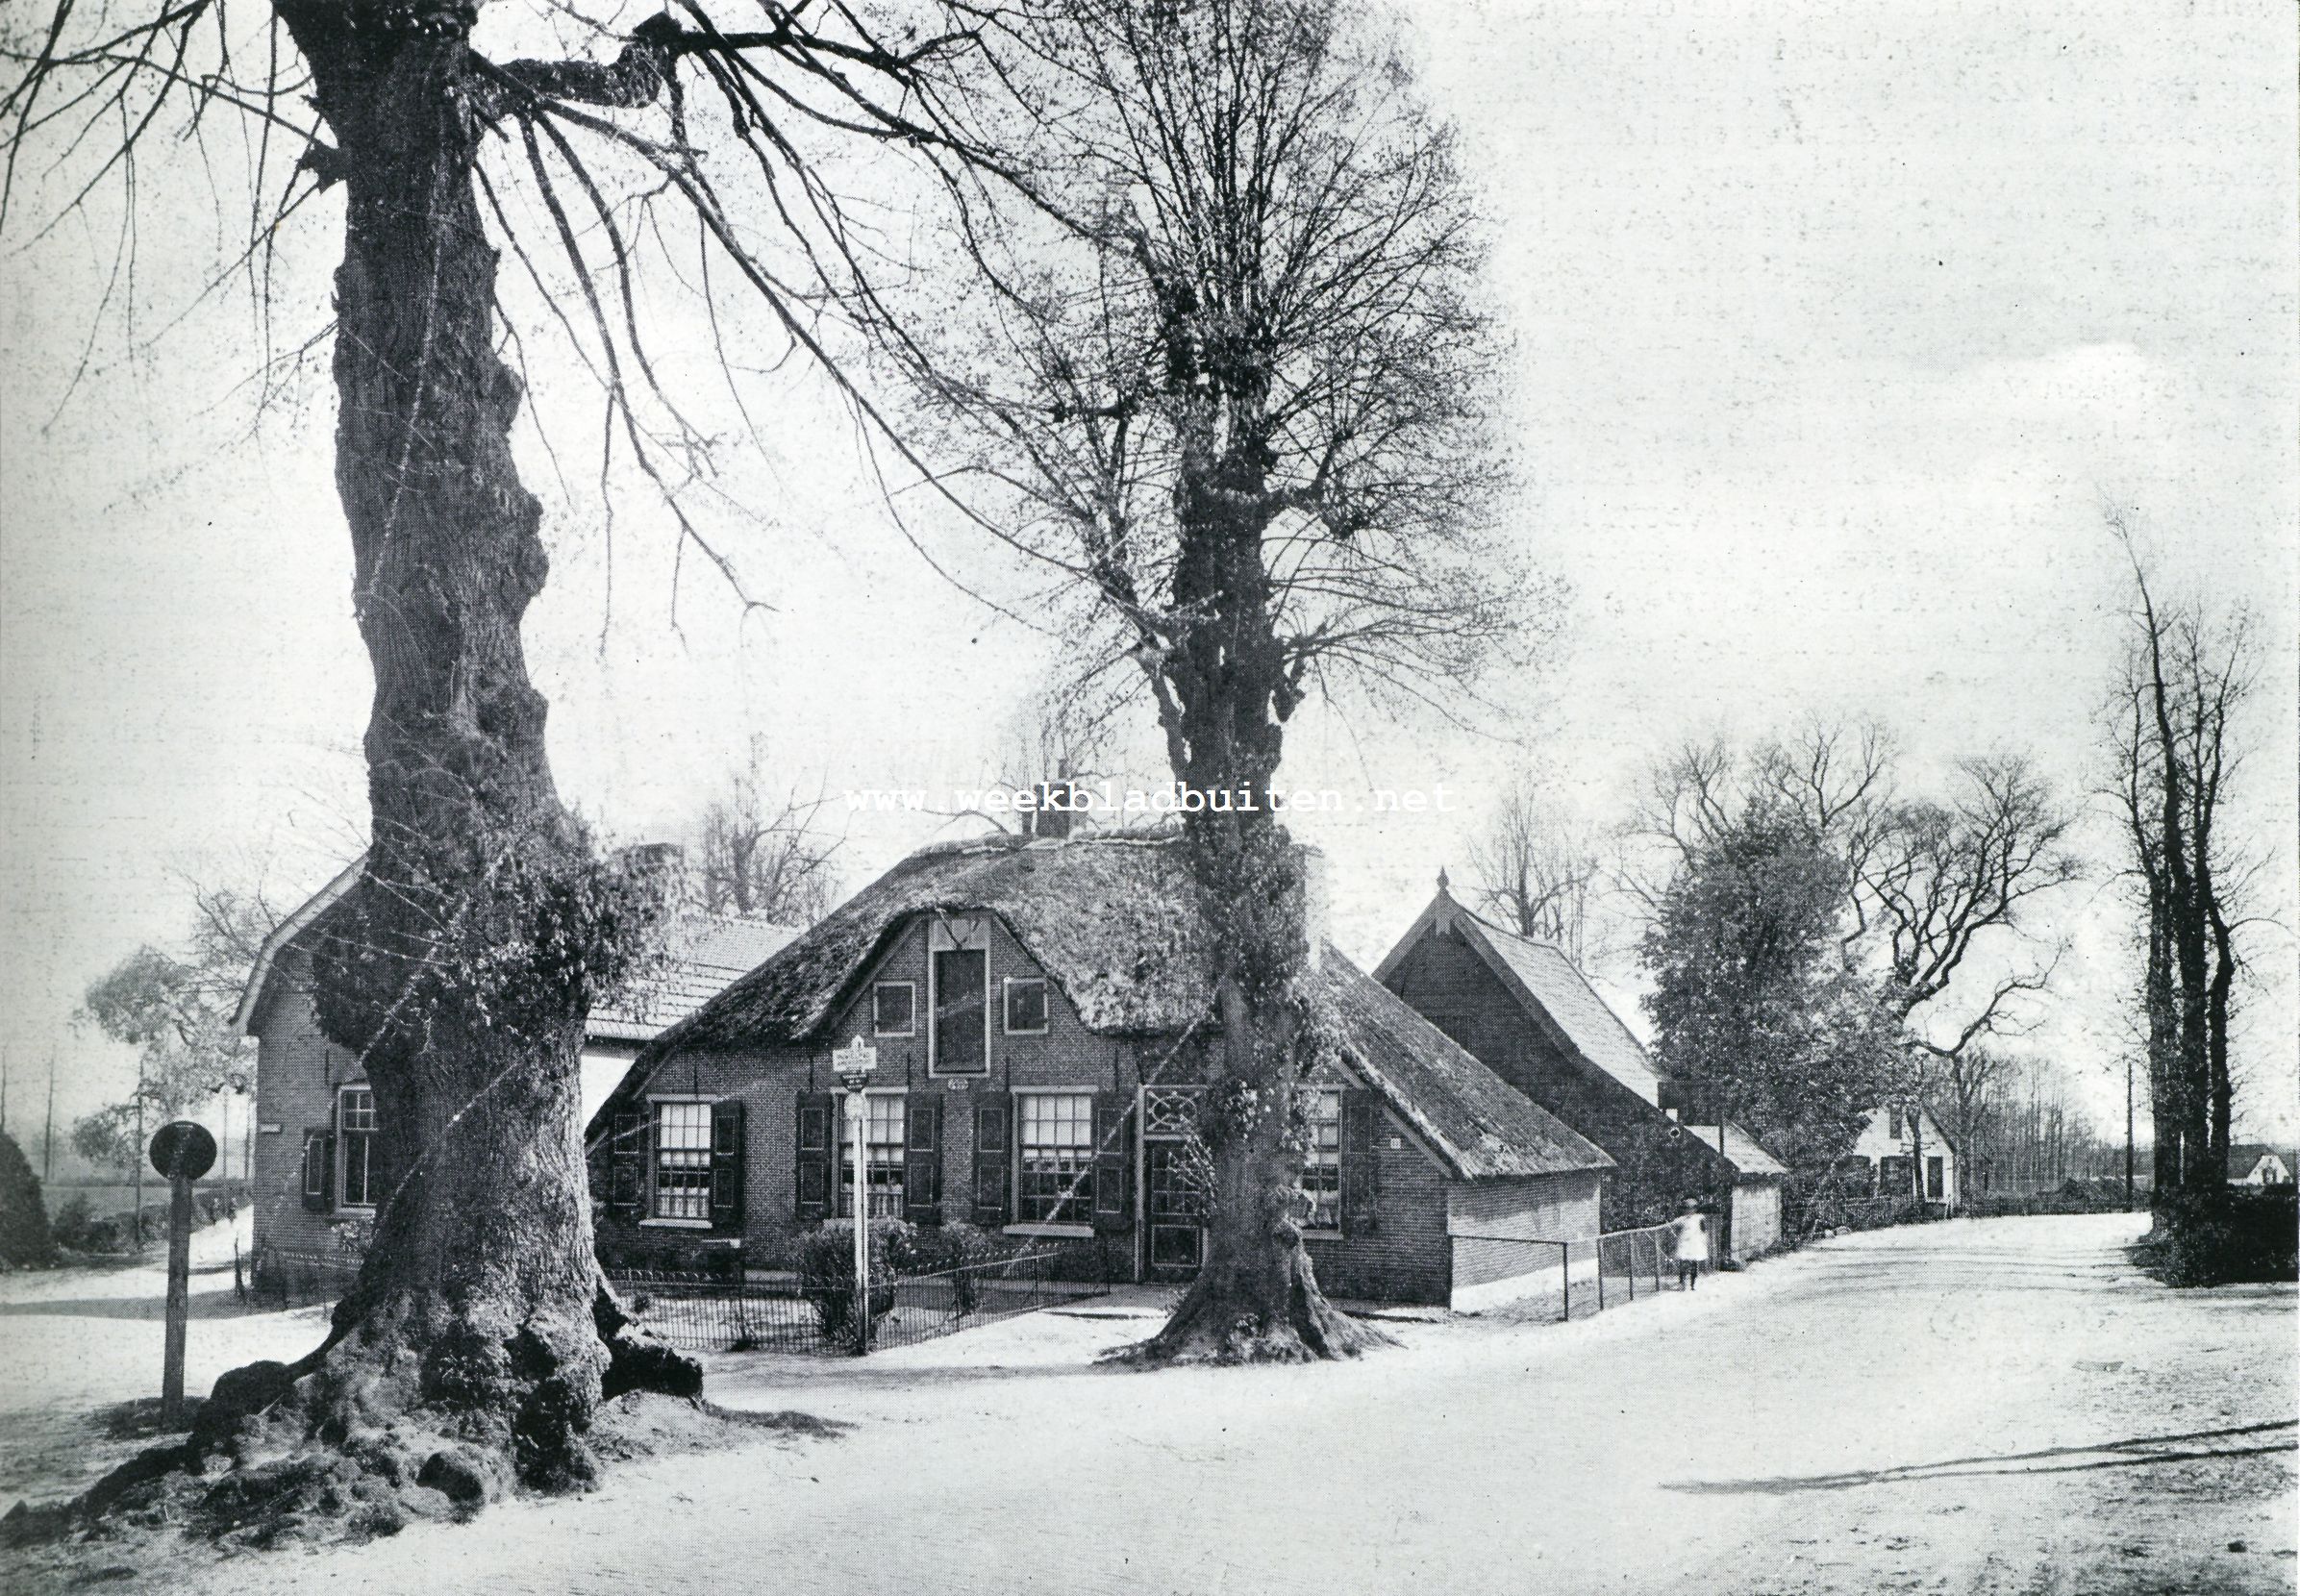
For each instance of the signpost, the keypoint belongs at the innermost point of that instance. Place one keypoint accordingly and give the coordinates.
(183, 1151)
(854, 1065)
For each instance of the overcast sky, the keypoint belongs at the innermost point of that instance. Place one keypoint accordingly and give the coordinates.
(1836, 327)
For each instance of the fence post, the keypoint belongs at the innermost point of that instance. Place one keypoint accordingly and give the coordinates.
(1566, 1263)
(1600, 1273)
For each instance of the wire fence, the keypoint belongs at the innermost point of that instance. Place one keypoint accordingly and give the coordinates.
(276, 1277)
(1569, 1277)
(780, 1312)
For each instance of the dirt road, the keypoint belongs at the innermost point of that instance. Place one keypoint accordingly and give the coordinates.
(1998, 1407)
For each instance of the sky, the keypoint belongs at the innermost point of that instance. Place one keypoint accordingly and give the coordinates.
(1834, 328)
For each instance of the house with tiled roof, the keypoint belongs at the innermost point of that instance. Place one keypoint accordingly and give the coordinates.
(314, 1166)
(1043, 1022)
(1529, 1014)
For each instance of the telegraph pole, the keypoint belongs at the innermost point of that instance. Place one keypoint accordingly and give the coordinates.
(48, 1134)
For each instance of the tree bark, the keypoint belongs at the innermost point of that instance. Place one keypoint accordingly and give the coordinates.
(1224, 696)
(478, 1338)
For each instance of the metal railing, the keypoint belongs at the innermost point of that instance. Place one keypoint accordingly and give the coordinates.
(781, 1313)
(277, 1277)
(1569, 1277)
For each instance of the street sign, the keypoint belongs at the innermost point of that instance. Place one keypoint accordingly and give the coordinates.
(181, 1151)
(197, 1145)
(855, 1061)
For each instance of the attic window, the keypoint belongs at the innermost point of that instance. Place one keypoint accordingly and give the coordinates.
(891, 1005)
(1025, 1005)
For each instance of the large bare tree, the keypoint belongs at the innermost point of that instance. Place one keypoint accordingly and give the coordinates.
(1226, 384)
(2176, 740)
(478, 1338)
(1537, 866)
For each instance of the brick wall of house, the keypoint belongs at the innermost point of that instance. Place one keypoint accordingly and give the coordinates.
(1654, 1169)
(298, 1073)
(1403, 1258)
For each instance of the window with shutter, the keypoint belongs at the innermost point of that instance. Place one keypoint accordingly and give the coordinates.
(1113, 1161)
(683, 1179)
(814, 1166)
(320, 1169)
(626, 1159)
(355, 1147)
(1361, 1170)
(922, 1163)
(884, 1151)
(1321, 1160)
(729, 1155)
(994, 1161)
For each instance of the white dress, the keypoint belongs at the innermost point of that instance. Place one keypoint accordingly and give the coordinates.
(1689, 1238)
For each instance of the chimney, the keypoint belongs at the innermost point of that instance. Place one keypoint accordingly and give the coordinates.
(659, 866)
(1316, 907)
(1047, 821)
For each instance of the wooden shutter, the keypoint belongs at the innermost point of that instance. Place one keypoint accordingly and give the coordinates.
(922, 1161)
(320, 1169)
(993, 1160)
(626, 1159)
(728, 1156)
(814, 1166)
(1113, 1161)
(1360, 1172)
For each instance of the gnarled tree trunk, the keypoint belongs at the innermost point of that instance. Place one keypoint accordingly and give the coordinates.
(1224, 696)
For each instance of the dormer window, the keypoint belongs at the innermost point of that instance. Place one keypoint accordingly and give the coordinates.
(959, 994)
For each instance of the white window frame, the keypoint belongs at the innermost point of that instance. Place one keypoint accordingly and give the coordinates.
(910, 986)
(343, 1136)
(1051, 1227)
(655, 1103)
(1333, 1231)
(956, 933)
(842, 1150)
(1006, 987)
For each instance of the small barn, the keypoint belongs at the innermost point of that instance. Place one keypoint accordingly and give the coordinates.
(1043, 1022)
(316, 1155)
(1524, 1008)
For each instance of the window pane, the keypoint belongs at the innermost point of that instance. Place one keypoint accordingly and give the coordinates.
(882, 1148)
(1026, 1005)
(683, 1160)
(958, 1012)
(355, 1110)
(1055, 1177)
(891, 1004)
(1321, 1162)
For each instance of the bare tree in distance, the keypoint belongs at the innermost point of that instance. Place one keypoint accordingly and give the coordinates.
(1228, 388)
(1537, 867)
(1925, 879)
(478, 1339)
(761, 855)
(2175, 735)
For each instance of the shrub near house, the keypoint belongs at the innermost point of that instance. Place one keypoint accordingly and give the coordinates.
(1041, 1018)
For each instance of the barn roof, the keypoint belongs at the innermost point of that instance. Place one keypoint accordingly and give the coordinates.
(1545, 982)
(1477, 1123)
(1742, 1149)
(1111, 919)
(702, 953)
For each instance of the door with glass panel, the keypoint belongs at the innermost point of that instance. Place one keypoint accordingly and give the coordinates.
(1174, 1184)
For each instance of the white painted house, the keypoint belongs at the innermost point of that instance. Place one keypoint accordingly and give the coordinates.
(1899, 1144)
(2253, 1164)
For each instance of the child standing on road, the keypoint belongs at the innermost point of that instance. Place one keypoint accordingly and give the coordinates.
(1688, 1243)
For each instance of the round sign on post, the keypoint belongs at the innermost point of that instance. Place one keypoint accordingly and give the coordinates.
(198, 1148)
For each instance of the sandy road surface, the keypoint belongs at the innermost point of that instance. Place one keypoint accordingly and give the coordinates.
(1998, 1407)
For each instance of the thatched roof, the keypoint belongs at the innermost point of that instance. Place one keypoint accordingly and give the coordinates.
(1548, 986)
(1477, 1123)
(1110, 918)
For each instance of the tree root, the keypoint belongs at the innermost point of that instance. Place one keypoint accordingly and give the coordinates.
(365, 1436)
(1222, 1324)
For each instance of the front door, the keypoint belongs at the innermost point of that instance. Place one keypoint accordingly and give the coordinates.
(1173, 1185)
